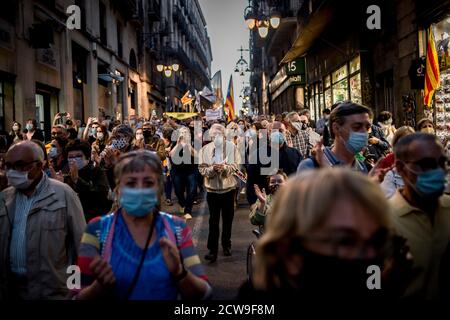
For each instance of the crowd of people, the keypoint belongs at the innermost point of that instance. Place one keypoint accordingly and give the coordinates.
(331, 198)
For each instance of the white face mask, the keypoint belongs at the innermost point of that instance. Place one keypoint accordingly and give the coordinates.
(18, 179)
(218, 140)
(29, 126)
(100, 135)
(52, 153)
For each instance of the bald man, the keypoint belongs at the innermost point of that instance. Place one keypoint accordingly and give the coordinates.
(40, 228)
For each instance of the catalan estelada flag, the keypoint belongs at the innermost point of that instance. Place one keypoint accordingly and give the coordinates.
(432, 75)
(187, 98)
(229, 102)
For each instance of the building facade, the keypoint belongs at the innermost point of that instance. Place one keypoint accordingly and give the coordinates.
(106, 68)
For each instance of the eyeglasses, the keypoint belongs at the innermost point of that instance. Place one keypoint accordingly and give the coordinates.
(20, 165)
(426, 164)
(349, 246)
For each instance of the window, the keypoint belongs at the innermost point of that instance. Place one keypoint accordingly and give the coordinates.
(133, 61)
(102, 22)
(119, 40)
(133, 95)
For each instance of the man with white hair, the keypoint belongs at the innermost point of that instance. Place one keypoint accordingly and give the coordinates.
(218, 160)
(40, 228)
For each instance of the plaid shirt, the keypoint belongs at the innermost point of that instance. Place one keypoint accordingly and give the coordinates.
(299, 141)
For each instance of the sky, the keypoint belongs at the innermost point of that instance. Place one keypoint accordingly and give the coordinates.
(228, 32)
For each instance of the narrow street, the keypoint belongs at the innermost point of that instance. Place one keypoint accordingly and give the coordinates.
(228, 273)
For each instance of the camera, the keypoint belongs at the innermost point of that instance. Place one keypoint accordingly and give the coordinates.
(63, 114)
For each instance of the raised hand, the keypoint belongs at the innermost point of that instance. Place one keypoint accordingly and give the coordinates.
(171, 256)
(261, 195)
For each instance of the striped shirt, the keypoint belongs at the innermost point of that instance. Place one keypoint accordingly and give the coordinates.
(124, 256)
(18, 249)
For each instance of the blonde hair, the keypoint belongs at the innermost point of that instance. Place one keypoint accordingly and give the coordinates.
(303, 204)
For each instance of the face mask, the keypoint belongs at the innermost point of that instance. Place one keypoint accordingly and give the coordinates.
(427, 130)
(100, 135)
(277, 138)
(388, 122)
(273, 188)
(357, 141)
(53, 152)
(304, 126)
(253, 133)
(139, 136)
(218, 140)
(120, 143)
(15, 127)
(335, 276)
(93, 132)
(242, 127)
(18, 179)
(327, 117)
(138, 202)
(147, 133)
(429, 184)
(80, 163)
(29, 126)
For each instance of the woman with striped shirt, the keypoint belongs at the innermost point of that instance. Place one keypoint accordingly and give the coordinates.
(138, 252)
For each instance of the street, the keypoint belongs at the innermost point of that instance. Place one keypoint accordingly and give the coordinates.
(227, 274)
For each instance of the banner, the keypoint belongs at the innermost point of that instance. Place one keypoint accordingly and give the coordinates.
(213, 114)
(181, 115)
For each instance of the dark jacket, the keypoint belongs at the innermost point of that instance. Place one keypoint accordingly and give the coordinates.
(92, 188)
(382, 147)
(289, 158)
(37, 135)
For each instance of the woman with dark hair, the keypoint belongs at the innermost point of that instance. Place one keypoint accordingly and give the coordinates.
(32, 131)
(15, 134)
(385, 122)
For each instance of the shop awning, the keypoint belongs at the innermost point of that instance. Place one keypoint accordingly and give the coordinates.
(181, 115)
(315, 25)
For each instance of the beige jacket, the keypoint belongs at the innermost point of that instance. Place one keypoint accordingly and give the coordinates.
(219, 182)
(54, 228)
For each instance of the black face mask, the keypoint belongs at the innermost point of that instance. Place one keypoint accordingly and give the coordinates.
(147, 134)
(304, 126)
(335, 277)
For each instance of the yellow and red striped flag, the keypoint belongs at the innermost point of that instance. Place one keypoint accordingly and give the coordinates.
(187, 98)
(432, 75)
(229, 103)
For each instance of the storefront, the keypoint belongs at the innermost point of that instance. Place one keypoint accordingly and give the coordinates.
(344, 83)
(287, 89)
(441, 106)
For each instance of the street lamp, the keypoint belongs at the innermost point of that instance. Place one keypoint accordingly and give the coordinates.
(168, 70)
(256, 18)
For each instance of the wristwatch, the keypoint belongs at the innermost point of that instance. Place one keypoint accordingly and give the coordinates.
(181, 276)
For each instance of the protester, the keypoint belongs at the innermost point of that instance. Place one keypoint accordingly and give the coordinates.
(182, 171)
(40, 234)
(32, 131)
(261, 209)
(58, 164)
(320, 127)
(385, 122)
(15, 134)
(139, 252)
(100, 143)
(393, 180)
(288, 158)
(218, 160)
(91, 130)
(377, 146)
(349, 124)
(295, 136)
(426, 125)
(89, 182)
(169, 145)
(324, 230)
(421, 213)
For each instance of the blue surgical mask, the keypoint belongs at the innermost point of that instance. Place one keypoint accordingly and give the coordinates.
(430, 184)
(138, 202)
(52, 153)
(80, 162)
(357, 141)
(277, 138)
